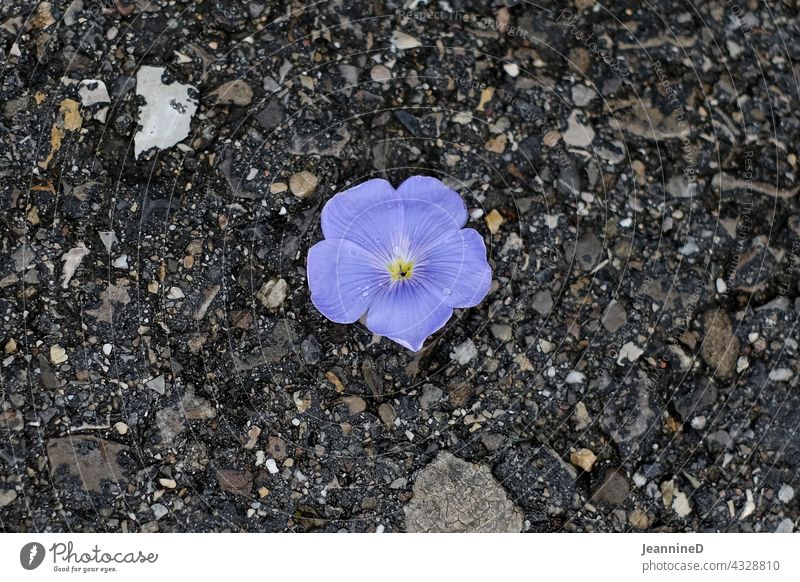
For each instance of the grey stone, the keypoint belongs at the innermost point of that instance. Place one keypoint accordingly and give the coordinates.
(543, 302)
(614, 317)
(452, 495)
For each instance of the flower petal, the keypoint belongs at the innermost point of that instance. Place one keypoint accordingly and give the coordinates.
(431, 210)
(344, 279)
(368, 214)
(407, 313)
(456, 269)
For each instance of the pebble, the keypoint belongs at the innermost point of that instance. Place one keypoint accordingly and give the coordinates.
(502, 332)
(380, 74)
(403, 41)
(166, 116)
(273, 293)
(121, 428)
(93, 91)
(575, 377)
(158, 384)
(698, 422)
(546, 346)
(577, 134)
(678, 187)
(497, 144)
(465, 352)
(452, 495)
(168, 483)
(582, 95)
(272, 466)
(613, 488)
(387, 414)
(175, 293)
(512, 69)
(781, 375)
(72, 260)
(639, 519)
(720, 348)
(236, 92)
(786, 493)
(581, 416)
(543, 302)
(355, 404)
(303, 184)
(614, 317)
(630, 351)
(159, 510)
(785, 526)
(278, 187)
(7, 496)
(494, 220)
(431, 396)
(583, 458)
(58, 355)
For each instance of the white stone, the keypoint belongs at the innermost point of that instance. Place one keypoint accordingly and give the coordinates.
(629, 351)
(108, 238)
(272, 466)
(698, 422)
(404, 41)
(71, 260)
(582, 95)
(175, 293)
(465, 352)
(159, 510)
(786, 493)
(577, 134)
(93, 91)
(7, 496)
(780, 375)
(742, 364)
(575, 378)
(166, 116)
(512, 69)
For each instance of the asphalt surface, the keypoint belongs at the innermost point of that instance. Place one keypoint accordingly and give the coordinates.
(632, 168)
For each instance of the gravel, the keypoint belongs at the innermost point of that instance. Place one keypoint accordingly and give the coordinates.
(634, 366)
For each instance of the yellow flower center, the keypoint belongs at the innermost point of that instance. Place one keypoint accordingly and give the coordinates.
(400, 269)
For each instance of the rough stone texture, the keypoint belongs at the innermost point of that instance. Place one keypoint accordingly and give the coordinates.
(92, 460)
(720, 346)
(452, 495)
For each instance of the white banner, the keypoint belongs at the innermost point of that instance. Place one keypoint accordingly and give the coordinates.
(402, 557)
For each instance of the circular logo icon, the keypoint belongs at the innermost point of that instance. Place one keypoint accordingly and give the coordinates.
(31, 555)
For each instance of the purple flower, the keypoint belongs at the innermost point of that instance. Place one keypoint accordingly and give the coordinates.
(400, 256)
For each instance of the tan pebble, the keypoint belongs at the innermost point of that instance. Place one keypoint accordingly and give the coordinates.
(494, 220)
(58, 355)
(121, 428)
(583, 458)
(497, 144)
(551, 138)
(168, 483)
(303, 184)
(278, 187)
(11, 346)
(638, 519)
